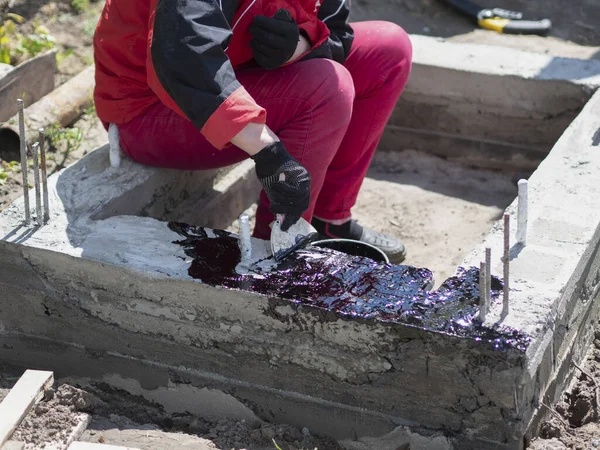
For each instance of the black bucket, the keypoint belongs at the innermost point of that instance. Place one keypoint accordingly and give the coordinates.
(354, 248)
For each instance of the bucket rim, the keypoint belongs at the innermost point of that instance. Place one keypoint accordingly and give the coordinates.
(386, 260)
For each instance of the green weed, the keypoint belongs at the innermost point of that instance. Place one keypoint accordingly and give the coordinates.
(80, 5)
(61, 56)
(15, 46)
(63, 140)
(90, 110)
(8, 36)
(69, 137)
(37, 42)
(6, 168)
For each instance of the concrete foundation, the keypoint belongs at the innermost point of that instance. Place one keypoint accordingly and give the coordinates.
(103, 292)
(488, 106)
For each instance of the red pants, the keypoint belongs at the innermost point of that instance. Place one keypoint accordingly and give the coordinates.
(329, 117)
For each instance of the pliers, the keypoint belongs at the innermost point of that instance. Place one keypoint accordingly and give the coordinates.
(501, 20)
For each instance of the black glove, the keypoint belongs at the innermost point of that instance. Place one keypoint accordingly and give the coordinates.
(274, 39)
(285, 181)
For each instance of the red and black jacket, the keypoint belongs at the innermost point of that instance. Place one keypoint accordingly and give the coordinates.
(184, 52)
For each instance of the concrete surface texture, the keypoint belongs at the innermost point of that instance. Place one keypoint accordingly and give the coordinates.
(555, 279)
(105, 294)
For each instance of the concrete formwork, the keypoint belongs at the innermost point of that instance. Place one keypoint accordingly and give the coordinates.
(103, 293)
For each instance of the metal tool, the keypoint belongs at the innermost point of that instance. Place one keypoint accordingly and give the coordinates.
(284, 243)
(23, 143)
(501, 20)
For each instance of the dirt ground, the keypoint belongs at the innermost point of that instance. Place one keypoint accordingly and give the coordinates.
(574, 422)
(117, 418)
(439, 209)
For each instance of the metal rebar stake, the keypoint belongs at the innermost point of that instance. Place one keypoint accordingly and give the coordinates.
(482, 292)
(42, 139)
(23, 143)
(488, 278)
(522, 213)
(506, 260)
(36, 181)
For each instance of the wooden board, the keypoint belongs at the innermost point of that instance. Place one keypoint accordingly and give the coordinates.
(20, 399)
(13, 445)
(30, 80)
(91, 446)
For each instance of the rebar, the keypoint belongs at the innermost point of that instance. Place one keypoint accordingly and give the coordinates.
(36, 181)
(488, 278)
(506, 260)
(23, 144)
(42, 140)
(482, 292)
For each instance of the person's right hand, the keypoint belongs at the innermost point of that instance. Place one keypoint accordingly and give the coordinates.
(285, 181)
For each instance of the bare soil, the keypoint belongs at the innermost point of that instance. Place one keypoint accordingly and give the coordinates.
(574, 421)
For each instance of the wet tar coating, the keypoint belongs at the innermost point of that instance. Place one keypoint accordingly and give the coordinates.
(354, 286)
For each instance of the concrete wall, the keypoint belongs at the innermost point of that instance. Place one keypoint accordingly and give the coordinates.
(555, 278)
(488, 106)
(288, 363)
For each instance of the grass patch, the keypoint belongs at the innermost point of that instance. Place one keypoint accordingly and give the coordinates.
(80, 6)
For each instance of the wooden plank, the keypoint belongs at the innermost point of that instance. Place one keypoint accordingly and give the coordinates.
(77, 432)
(13, 445)
(30, 80)
(15, 406)
(92, 446)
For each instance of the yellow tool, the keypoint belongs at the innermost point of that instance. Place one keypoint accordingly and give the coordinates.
(501, 20)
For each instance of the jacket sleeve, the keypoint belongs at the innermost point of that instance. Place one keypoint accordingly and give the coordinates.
(190, 72)
(334, 13)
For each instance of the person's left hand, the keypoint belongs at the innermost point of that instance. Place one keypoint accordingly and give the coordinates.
(276, 40)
